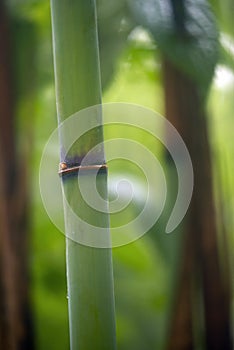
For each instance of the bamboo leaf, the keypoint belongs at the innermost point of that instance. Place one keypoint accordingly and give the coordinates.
(226, 54)
(186, 33)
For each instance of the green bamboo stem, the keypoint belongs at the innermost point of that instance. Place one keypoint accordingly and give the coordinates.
(77, 79)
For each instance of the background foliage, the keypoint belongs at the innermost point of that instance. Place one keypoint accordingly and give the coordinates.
(131, 72)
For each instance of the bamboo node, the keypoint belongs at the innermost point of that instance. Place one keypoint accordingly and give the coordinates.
(65, 169)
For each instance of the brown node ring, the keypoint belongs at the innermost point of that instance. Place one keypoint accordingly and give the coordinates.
(64, 169)
(62, 166)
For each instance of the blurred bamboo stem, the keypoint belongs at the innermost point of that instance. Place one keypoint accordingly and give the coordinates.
(201, 272)
(77, 79)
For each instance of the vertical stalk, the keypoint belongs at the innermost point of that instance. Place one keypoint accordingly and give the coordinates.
(77, 79)
(15, 317)
(202, 275)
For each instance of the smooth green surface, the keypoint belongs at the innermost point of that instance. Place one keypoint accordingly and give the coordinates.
(76, 55)
(89, 270)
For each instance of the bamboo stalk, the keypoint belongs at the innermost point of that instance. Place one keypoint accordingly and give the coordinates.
(89, 269)
(201, 270)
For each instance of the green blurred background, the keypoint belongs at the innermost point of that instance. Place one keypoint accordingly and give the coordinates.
(131, 64)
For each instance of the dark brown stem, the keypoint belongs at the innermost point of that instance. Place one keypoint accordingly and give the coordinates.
(201, 265)
(14, 305)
